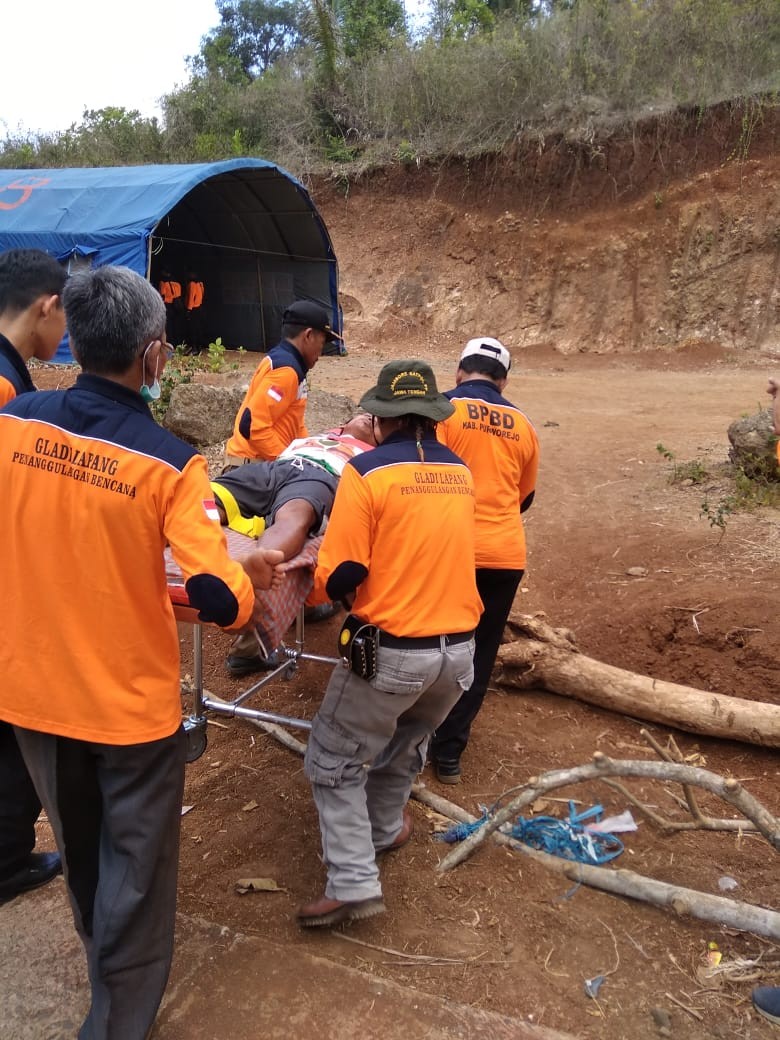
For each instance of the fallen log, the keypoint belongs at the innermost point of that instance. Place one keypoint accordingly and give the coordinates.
(545, 657)
(685, 902)
(729, 789)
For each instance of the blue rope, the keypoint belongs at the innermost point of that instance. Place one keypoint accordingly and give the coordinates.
(566, 839)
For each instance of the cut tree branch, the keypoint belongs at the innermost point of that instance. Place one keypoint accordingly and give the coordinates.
(545, 657)
(684, 901)
(728, 789)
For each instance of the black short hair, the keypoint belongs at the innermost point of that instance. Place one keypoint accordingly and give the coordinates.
(475, 364)
(292, 331)
(26, 274)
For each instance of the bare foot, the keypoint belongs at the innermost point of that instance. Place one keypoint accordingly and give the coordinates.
(262, 566)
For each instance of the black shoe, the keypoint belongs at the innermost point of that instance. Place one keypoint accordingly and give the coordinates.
(40, 868)
(320, 613)
(238, 665)
(447, 770)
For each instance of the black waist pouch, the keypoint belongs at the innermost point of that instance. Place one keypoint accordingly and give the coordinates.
(357, 646)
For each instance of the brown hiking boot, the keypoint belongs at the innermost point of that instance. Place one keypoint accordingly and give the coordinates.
(403, 836)
(324, 911)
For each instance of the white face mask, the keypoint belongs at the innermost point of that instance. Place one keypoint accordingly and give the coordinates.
(151, 393)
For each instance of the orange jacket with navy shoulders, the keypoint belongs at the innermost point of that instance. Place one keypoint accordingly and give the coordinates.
(271, 415)
(500, 447)
(93, 490)
(401, 536)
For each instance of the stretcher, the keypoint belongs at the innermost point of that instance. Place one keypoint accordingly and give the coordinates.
(281, 607)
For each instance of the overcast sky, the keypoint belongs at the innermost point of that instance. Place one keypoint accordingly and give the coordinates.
(60, 57)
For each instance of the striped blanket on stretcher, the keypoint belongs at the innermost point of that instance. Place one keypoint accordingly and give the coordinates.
(280, 606)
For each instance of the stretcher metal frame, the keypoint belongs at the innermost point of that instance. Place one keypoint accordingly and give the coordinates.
(195, 723)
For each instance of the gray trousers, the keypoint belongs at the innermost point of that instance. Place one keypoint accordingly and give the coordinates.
(116, 813)
(368, 743)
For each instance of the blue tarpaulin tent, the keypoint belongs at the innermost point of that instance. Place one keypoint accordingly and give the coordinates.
(247, 227)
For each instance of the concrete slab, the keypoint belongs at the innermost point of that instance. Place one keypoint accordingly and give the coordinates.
(224, 985)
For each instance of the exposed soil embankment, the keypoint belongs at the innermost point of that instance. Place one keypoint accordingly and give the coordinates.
(659, 235)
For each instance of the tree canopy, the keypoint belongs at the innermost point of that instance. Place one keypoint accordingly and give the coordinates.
(251, 36)
(308, 83)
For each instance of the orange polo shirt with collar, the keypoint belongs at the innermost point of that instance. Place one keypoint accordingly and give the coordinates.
(501, 449)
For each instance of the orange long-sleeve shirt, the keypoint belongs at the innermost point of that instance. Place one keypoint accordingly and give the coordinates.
(93, 489)
(194, 295)
(500, 447)
(271, 415)
(170, 290)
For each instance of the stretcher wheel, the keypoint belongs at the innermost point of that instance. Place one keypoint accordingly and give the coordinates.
(195, 731)
(290, 670)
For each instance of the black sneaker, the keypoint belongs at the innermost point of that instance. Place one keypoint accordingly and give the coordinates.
(447, 770)
(766, 1001)
(320, 613)
(238, 666)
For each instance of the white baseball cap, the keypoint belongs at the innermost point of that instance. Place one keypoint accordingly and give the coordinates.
(487, 347)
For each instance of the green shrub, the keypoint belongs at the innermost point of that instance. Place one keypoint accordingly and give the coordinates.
(694, 471)
(456, 90)
(216, 355)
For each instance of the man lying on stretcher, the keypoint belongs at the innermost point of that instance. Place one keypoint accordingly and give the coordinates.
(284, 502)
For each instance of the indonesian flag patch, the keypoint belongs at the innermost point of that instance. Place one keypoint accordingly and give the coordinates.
(275, 392)
(210, 507)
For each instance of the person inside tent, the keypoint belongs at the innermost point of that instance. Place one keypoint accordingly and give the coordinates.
(170, 290)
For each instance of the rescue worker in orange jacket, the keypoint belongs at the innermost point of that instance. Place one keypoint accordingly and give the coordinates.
(170, 290)
(32, 323)
(271, 415)
(94, 697)
(194, 331)
(399, 549)
(499, 445)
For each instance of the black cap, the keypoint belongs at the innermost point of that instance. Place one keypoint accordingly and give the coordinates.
(309, 315)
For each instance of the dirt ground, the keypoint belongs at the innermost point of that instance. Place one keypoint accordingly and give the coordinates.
(521, 940)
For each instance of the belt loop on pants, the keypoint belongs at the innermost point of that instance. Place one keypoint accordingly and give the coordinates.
(423, 642)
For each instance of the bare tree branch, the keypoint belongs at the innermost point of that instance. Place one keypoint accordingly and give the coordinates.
(545, 657)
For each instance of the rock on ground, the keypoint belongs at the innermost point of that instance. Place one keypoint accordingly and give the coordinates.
(203, 415)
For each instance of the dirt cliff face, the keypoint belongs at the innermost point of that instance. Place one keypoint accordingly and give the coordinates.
(660, 236)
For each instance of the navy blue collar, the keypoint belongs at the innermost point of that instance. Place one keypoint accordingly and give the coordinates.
(399, 436)
(16, 361)
(401, 446)
(113, 390)
(479, 389)
(286, 353)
